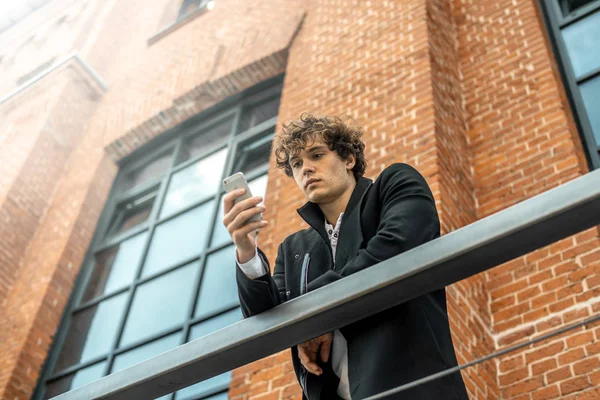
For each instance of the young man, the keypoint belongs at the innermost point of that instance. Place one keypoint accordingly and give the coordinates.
(355, 223)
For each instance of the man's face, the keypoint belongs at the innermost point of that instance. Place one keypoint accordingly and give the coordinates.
(321, 174)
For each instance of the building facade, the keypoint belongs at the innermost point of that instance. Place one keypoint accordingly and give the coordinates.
(120, 119)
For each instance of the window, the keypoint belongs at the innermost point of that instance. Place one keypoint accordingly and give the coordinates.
(574, 26)
(132, 213)
(570, 6)
(178, 13)
(189, 6)
(156, 273)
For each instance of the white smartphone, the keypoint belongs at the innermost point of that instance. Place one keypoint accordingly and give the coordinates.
(238, 181)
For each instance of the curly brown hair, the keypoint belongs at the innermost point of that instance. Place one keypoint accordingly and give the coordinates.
(342, 137)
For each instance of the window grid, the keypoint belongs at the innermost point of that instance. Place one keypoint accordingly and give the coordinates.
(104, 242)
(581, 12)
(557, 21)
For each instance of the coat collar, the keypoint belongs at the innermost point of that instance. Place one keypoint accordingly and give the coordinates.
(313, 215)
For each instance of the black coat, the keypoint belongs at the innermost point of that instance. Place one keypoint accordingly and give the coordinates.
(406, 342)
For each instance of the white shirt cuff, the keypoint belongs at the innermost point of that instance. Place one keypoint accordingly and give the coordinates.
(253, 268)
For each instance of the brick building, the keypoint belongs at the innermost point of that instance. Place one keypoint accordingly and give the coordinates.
(119, 119)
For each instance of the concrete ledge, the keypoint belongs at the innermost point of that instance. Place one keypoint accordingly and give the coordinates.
(71, 58)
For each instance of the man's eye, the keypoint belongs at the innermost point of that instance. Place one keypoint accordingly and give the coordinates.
(296, 164)
(318, 155)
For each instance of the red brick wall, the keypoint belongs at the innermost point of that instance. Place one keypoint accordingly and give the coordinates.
(466, 91)
(36, 144)
(522, 143)
(115, 49)
(52, 31)
(19, 135)
(175, 65)
(536, 294)
(37, 216)
(468, 306)
(401, 82)
(39, 273)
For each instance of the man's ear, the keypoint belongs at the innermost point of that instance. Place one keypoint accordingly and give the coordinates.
(350, 161)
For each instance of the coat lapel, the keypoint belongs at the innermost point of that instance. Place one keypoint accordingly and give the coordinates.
(351, 236)
(312, 214)
(350, 230)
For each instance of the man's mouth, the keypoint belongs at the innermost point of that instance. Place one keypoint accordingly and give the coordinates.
(309, 182)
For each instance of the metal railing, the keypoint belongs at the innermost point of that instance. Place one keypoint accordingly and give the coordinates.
(513, 232)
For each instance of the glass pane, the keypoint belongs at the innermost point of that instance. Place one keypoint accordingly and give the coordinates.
(134, 217)
(115, 267)
(220, 396)
(91, 332)
(178, 239)
(253, 155)
(194, 183)
(160, 304)
(259, 114)
(258, 187)
(202, 329)
(218, 382)
(75, 380)
(569, 6)
(131, 216)
(147, 172)
(210, 137)
(214, 324)
(590, 91)
(220, 234)
(142, 353)
(218, 288)
(188, 6)
(583, 45)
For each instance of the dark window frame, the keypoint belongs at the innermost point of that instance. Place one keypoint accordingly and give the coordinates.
(233, 107)
(555, 21)
(124, 207)
(187, 3)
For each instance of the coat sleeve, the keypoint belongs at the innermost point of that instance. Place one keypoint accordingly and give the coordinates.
(408, 218)
(265, 292)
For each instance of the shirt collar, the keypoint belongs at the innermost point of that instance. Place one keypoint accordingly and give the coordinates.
(330, 228)
(312, 214)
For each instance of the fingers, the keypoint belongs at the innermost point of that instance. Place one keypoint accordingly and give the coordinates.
(246, 229)
(308, 355)
(325, 347)
(230, 211)
(241, 219)
(308, 352)
(303, 355)
(230, 197)
(236, 219)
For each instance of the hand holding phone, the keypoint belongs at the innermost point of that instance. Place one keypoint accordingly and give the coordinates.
(238, 181)
(242, 215)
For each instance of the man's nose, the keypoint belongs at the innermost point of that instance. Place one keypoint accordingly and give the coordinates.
(307, 168)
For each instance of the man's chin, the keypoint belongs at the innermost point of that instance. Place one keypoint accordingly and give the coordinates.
(315, 197)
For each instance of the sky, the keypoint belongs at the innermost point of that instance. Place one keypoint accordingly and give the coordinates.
(13, 10)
